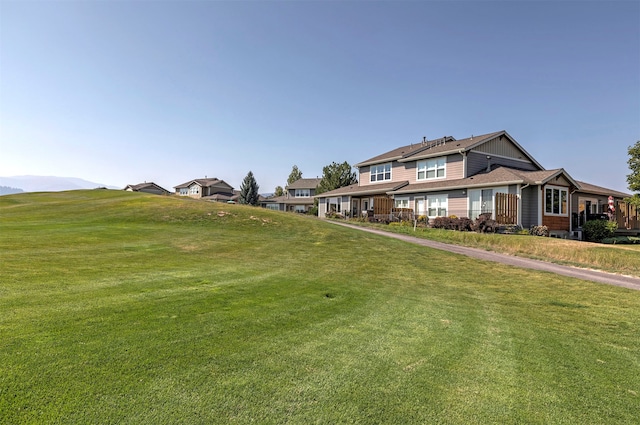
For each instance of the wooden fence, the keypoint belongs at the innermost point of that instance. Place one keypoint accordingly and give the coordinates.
(506, 208)
(627, 216)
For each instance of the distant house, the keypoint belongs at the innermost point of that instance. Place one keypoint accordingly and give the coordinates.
(487, 174)
(211, 189)
(298, 197)
(149, 187)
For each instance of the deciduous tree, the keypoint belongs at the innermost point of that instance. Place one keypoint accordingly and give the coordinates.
(634, 178)
(279, 191)
(249, 190)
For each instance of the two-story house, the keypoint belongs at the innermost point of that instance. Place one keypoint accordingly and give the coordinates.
(212, 189)
(490, 173)
(298, 197)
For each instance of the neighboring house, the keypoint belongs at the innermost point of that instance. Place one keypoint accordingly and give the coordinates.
(148, 188)
(490, 173)
(211, 189)
(298, 197)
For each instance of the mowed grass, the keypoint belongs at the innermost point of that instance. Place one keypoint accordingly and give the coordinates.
(118, 307)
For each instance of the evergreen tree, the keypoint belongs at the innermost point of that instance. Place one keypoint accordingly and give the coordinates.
(295, 175)
(249, 190)
(335, 176)
(634, 178)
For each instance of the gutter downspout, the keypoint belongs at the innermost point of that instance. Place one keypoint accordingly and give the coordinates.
(464, 162)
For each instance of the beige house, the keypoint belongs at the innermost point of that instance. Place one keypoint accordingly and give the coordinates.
(298, 197)
(149, 187)
(490, 173)
(211, 189)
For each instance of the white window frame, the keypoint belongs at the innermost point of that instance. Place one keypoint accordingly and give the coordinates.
(184, 191)
(416, 209)
(561, 206)
(402, 202)
(380, 170)
(194, 189)
(440, 203)
(303, 193)
(437, 166)
(275, 207)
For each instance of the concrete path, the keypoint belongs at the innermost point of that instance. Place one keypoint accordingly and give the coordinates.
(584, 274)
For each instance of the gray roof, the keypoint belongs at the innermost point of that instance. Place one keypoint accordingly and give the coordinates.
(203, 182)
(598, 190)
(304, 184)
(497, 176)
(145, 185)
(442, 146)
(370, 189)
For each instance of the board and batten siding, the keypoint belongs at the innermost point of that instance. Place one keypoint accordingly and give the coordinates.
(477, 162)
(502, 146)
(529, 206)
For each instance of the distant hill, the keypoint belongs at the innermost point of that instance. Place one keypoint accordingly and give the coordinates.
(48, 184)
(6, 190)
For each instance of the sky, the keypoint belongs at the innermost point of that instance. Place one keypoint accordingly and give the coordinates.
(123, 92)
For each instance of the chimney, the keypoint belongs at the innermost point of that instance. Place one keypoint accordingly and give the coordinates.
(488, 163)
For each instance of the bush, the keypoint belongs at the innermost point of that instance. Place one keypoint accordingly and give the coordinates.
(485, 224)
(539, 231)
(597, 230)
(465, 224)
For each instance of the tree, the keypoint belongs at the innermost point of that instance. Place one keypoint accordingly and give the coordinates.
(249, 190)
(634, 178)
(295, 175)
(279, 191)
(335, 176)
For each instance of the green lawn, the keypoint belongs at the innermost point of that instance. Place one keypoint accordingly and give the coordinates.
(118, 307)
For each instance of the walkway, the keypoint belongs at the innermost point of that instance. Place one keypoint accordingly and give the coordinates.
(584, 274)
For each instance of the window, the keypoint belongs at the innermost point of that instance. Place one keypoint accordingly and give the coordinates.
(184, 191)
(555, 200)
(275, 207)
(194, 190)
(401, 203)
(483, 201)
(303, 193)
(299, 209)
(437, 206)
(431, 169)
(380, 172)
(420, 206)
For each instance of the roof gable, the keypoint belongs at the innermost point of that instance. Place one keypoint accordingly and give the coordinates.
(204, 183)
(304, 184)
(449, 145)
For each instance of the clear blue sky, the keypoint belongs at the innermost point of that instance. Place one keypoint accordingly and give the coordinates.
(121, 92)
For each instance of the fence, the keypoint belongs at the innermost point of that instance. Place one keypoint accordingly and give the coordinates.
(506, 208)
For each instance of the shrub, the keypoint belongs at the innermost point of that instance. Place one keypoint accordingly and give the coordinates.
(597, 230)
(441, 223)
(539, 231)
(485, 224)
(464, 224)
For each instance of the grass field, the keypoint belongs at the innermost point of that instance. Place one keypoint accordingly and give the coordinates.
(125, 308)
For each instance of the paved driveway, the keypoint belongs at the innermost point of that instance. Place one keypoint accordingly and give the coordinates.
(584, 274)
